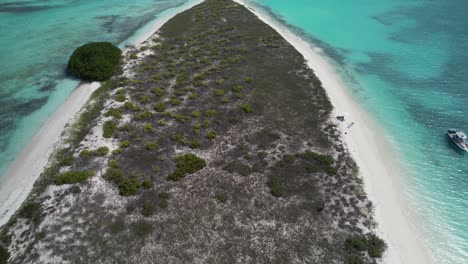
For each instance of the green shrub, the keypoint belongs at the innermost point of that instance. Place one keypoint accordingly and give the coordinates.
(195, 143)
(142, 229)
(117, 226)
(114, 164)
(180, 118)
(67, 160)
(114, 112)
(95, 61)
(196, 113)
(144, 115)
(32, 211)
(163, 203)
(144, 99)
(163, 199)
(148, 128)
(101, 151)
(222, 198)
(109, 129)
(211, 135)
(120, 98)
(147, 210)
(71, 177)
(319, 162)
(85, 153)
(128, 187)
(130, 106)
(4, 255)
(125, 144)
(163, 195)
(114, 174)
(158, 91)
(75, 189)
(238, 88)
(186, 164)
(225, 100)
(247, 108)
(374, 245)
(147, 184)
(234, 119)
(175, 102)
(159, 107)
(354, 260)
(211, 112)
(117, 151)
(219, 92)
(179, 138)
(151, 145)
(206, 123)
(276, 189)
(248, 79)
(193, 96)
(162, 122)
(161, 158)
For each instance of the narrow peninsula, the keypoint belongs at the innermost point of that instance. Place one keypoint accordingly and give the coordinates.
(212, 143)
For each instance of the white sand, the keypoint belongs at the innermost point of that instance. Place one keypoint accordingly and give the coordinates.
(376, 157)
(19, 179)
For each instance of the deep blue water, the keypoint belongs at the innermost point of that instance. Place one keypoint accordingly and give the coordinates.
(406, 62)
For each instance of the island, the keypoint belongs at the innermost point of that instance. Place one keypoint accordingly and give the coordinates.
(212, 143)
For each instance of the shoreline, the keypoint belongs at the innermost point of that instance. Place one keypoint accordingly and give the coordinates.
(376, 158)
(18, 180)
(14, 189)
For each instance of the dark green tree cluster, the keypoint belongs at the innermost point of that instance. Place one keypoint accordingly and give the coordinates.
(374, 246)
(94, 61)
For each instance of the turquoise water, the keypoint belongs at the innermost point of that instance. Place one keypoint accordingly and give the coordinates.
(36, 39)
(406, 62)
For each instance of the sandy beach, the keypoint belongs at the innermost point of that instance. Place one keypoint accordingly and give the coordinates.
(377, 160)
(19, 179)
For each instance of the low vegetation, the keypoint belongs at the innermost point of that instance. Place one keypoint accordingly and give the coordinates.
(186, 164)
(72, 177)
(374, 245)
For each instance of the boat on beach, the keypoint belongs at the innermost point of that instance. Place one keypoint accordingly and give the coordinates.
(459, 138)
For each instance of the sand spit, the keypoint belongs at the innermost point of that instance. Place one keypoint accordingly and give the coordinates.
(371, 150)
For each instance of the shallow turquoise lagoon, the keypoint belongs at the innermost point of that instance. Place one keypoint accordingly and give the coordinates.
(406, 62)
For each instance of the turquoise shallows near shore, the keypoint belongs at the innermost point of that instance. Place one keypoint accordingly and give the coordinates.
(36, 39)
(406, 62)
